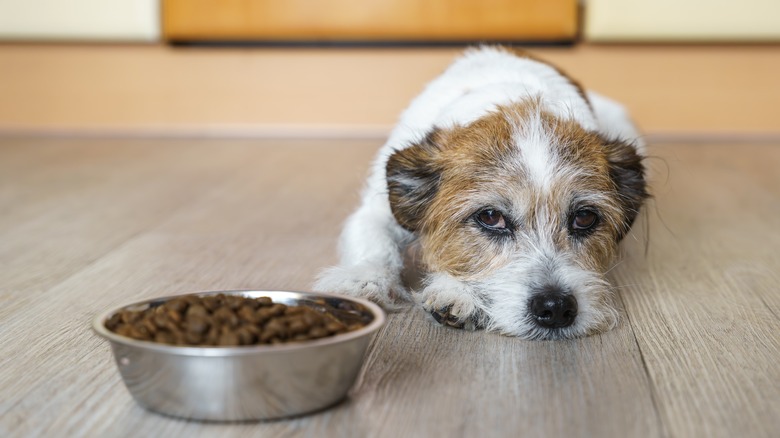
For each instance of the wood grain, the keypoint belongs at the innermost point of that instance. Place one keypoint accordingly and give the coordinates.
(88, 225)
(705, 303)
(355, 20)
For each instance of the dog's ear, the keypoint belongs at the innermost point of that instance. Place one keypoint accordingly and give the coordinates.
(628, 175)
(413, 179)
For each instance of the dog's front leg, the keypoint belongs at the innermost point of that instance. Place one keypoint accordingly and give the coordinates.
(452, 302)
(371, 248)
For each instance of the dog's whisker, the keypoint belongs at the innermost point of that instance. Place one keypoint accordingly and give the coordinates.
(625, 286)
(614, 266)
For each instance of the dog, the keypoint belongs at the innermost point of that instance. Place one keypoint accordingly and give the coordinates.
(515, 185)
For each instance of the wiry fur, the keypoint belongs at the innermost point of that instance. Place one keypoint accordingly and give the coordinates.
(515, 135)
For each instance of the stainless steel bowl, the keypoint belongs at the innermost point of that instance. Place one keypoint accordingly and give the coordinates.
(249, 382)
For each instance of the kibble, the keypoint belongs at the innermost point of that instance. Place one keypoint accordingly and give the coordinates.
(226, 320)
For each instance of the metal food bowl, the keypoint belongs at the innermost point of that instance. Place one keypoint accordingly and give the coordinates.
(248, 382)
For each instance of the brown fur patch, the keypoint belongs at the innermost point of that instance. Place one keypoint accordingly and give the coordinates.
(437, 186)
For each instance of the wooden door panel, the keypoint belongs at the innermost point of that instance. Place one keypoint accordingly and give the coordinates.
(370, 20)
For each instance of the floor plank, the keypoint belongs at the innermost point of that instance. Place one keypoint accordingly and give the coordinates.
(66, 203)
(694, 355)
(704, 305)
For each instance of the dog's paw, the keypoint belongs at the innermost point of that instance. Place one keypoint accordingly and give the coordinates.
(452, 304)
(377, 284)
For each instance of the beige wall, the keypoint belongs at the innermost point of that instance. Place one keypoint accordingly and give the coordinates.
(109, 20)
(158, 90)
(682, 20)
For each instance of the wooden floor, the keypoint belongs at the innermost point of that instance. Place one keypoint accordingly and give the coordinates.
(90, 224)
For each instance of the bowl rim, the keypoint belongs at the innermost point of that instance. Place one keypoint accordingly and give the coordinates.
(98, 326)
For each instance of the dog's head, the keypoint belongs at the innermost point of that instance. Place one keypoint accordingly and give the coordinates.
(525, 208)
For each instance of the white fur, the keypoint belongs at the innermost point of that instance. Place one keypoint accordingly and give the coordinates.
(538, 158)
(614, 121)
(372, 243)
(459, 298)
(510, 289)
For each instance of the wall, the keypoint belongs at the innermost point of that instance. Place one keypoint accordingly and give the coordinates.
(303, 92)
(605, 20)
(682, 20)
(87, 20)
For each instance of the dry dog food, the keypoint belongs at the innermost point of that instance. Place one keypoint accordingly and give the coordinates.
(225, 320)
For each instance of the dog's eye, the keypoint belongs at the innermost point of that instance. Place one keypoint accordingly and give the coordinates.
(491, 219)
(584, 220)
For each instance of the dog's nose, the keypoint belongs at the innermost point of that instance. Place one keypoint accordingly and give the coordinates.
(553, 309)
